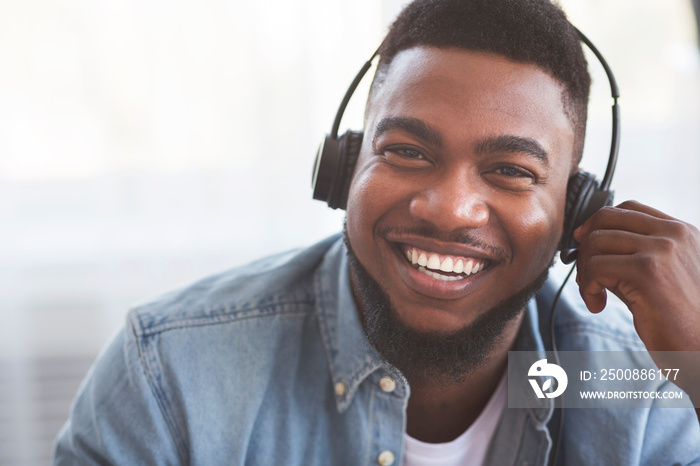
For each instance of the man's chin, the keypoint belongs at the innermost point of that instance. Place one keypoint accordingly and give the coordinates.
(433, 345)
(429, 319)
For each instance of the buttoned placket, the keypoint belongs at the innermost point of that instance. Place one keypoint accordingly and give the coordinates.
(390, 394)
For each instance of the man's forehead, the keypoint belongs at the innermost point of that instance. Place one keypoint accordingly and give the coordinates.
(463, 67)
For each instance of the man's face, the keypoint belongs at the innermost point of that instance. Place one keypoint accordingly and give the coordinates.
(463, 167)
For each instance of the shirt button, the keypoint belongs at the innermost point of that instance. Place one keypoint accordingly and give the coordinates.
(339, 388)
(386, 458)
(388, 384)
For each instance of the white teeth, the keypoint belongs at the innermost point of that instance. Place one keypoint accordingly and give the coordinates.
(434, 262)
(439, 276)
(468, 267)
(427, 261)
(446, 265)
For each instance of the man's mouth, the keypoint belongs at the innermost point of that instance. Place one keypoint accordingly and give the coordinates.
(443, 267)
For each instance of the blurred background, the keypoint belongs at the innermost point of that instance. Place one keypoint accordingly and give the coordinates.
(145, 144)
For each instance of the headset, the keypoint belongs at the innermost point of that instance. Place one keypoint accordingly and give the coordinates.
(337, 156)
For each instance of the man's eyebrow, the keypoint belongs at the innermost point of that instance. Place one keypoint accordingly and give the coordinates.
(410, 125)
(509, 143)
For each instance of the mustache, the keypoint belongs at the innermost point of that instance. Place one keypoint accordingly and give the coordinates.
(461, 237)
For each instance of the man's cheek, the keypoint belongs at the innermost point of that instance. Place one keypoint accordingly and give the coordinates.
(539, 236)
(371, 190)
(359, 186)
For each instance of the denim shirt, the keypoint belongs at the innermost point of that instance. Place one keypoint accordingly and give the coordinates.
(268, 365)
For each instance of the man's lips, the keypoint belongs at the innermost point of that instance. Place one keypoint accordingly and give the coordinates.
(442, 266)
(440, 270)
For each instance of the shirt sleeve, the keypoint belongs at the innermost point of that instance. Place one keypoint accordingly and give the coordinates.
(116, 418)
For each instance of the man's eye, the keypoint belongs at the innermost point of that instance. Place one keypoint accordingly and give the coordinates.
(404, 152)
(513, 172)
(511, 177)
(405, 157)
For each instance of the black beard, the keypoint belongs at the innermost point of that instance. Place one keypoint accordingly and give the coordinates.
(443, 357)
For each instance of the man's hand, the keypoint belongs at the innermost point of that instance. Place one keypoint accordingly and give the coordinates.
(651, 261)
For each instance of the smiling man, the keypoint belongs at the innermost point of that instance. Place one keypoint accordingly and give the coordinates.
(389, 345)
(454, 215)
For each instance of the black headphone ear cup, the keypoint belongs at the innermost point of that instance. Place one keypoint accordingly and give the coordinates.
(578, 184)
(349, 148)
(584, 197)
(576, 195)
(335, 163)
(325, 168)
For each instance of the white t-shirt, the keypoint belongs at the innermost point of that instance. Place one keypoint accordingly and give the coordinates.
(467, 449)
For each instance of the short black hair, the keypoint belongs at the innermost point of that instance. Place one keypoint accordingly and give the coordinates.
(525, 31)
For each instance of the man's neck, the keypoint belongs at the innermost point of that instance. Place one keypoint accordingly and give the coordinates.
(438, 415)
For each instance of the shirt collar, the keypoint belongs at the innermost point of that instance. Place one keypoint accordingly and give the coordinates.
(350, 356)
(529, 338)
(523, 436)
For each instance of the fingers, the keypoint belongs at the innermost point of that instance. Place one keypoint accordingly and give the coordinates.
(636, 251)
(612, 242)
(639, 207)
(618, 273)
(618, 260)
(620, 243)
(651, 261)
(628, 216)
(598, 243)
(595, 302)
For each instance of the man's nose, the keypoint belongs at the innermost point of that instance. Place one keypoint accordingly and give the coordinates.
(451, 202)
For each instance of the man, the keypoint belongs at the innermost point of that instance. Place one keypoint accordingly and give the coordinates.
(389, 346)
